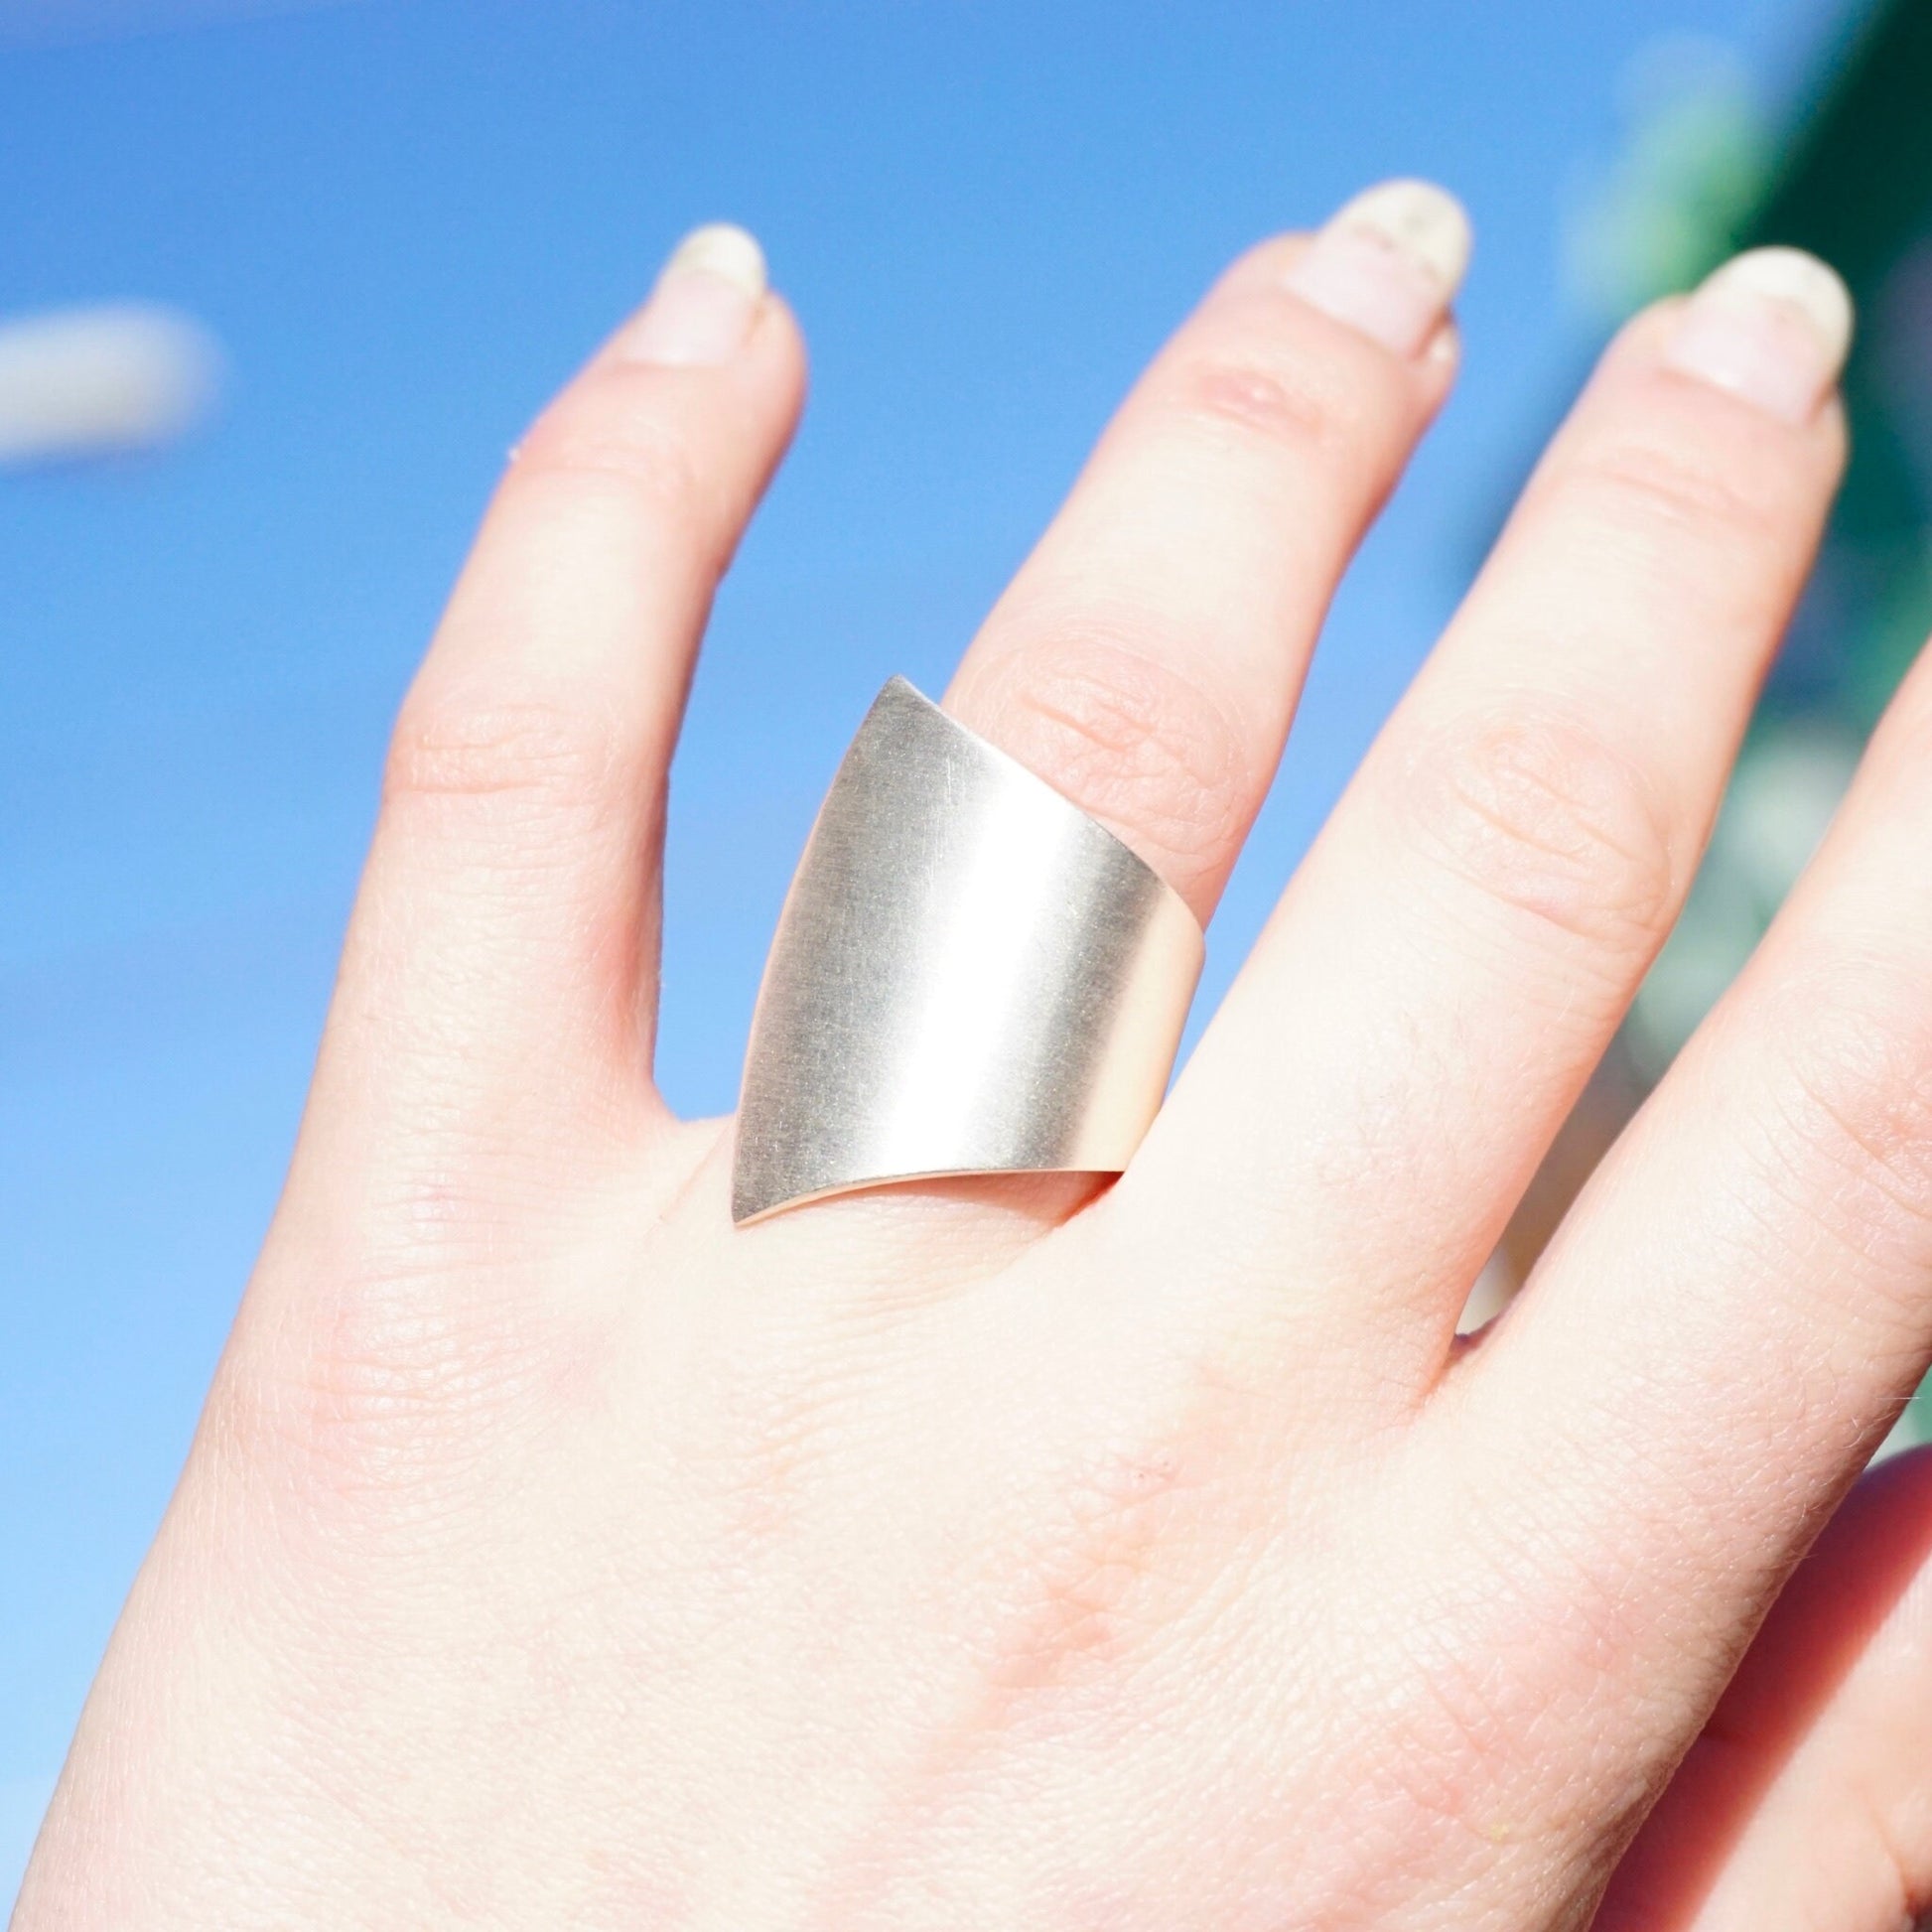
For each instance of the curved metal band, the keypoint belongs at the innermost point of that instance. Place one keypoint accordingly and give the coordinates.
(970, 976)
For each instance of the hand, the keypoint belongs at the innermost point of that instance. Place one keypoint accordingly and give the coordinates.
(1013, 1555)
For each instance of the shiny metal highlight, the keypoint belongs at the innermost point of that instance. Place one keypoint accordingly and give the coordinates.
(970, 976)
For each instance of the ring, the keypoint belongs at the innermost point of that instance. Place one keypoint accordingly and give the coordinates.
(970, 976)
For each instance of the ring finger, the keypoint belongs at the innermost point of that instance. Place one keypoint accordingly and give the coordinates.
(1454, 954)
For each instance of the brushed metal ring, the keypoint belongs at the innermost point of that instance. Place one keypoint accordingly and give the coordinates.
(969, 976)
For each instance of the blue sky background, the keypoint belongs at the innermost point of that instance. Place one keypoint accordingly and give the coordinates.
(405, 222)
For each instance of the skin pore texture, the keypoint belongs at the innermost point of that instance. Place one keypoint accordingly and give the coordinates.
(1036, 1556)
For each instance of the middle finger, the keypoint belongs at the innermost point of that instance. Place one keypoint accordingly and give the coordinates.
(1147, 658)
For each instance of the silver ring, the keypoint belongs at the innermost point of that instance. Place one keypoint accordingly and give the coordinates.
(970, 976)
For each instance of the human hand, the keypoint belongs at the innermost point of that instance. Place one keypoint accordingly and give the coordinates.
(1010, 1553)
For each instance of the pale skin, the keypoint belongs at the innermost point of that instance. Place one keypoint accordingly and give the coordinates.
(1047, 1556)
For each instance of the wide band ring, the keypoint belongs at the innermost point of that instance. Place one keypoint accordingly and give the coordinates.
(970, 976)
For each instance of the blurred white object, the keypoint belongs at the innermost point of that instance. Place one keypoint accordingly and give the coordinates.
(1488, 1298)
(79, 383)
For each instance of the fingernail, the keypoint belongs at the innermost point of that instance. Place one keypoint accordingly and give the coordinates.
(1389, 262)
(1771, 326)
(701, 311)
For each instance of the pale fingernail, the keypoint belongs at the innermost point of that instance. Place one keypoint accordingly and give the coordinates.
(701, 311)
(1771, 326)
(1389, 263)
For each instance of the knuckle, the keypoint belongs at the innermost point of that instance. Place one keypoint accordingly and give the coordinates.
(1651, 488)
(359, 1417)
(1857, 1072)
(1119, 1576)
(1106, 1593)
(1544, 815)
(1525, 1630)
(1103, 714)
(1453, 1722)
(394, 1399)
(1296, 410)
(505, 748)
(613, 434)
